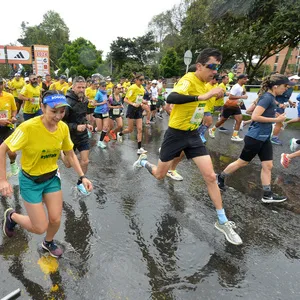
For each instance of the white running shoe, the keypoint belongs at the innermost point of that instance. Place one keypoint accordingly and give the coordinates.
(212, 133)
(231, 236)
(119, 137)
(137, 164)
(174, 175)
(236, 138)
(101, 145)
(141, 151)
(293, 145)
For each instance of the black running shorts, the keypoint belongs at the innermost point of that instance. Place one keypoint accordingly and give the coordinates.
(255, 147)
(176, 141)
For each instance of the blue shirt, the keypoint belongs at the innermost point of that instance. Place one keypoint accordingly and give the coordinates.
(100, 97)
(285, 96)
(262, 131)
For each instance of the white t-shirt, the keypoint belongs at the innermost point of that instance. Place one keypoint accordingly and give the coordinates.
(154, 92)
(237, 90)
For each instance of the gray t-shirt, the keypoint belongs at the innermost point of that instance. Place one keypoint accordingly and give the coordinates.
(262, 131)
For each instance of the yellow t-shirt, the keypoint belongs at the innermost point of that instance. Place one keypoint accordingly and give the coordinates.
(7, 105)
(210, 103)
(57, 86)
(220, 101)
(135, 94)
(109, 88)
(126, 85)
(40, 147)
(17, 85)
(182, 114)
(90, 94)
(31, 92)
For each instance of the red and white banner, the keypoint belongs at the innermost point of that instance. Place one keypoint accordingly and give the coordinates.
(18, 55)
(41, 64)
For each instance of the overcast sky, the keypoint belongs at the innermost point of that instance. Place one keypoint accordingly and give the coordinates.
(100, 22)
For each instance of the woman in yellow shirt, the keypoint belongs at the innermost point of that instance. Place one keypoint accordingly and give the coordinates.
(40, 139)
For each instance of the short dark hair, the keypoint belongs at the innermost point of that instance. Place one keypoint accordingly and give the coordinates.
(205, 54)
(78, 79)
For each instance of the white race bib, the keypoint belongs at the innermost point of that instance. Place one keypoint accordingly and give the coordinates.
(139, 99)
(149, 102)
(105, 115)
(3, 114)
(197, 116)
(36, 100)
(116, 111)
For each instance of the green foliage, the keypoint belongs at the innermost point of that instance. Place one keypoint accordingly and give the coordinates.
(171, 64)
(52, 32)
(138, 50)
(5, 70)
(81, 58)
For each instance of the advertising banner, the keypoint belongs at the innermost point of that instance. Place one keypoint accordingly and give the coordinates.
(18, 55)
(41, 64)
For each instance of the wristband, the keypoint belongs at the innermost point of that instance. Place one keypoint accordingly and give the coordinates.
(81, 177)
(196, 98)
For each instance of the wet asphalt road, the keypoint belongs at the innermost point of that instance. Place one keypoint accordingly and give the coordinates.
(137, 238)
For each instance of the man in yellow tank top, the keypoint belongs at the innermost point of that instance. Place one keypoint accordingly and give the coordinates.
(189, 97)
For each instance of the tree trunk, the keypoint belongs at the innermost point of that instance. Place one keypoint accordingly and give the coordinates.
(286, 60)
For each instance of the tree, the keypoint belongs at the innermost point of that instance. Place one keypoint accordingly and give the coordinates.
(248, 29)
(171, 65)
(52, 32)
(81, 58)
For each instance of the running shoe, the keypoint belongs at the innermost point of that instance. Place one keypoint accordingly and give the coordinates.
(228, 229)
(119, 137)
(236, 138)
(52, 248)
(285, 161)
(273, 198)
(8, 223)
(82, 189)
(14, 169)
(141, 151)
(293, 145)
(203, 139)
(223, 129)
(101, 145)
(276, 141)
(160, 116)
(106, 139)
(113, 135)
(174, 175)
(221, 182)
(212, 133)
(137, 164)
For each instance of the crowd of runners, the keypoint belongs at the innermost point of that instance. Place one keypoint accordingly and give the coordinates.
(48, 119)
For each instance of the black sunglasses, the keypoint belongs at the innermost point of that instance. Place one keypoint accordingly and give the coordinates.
(214, 67)
(141, 79)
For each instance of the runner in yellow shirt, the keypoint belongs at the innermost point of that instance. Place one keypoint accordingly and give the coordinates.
(16, 86)
(189, 97)
(31, 94)
(40, 139)
(109, 86)
(8, 111)
(60, 85)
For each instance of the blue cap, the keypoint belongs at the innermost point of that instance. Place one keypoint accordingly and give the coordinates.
(56, 101)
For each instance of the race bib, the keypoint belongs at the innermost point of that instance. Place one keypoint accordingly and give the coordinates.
(116, 111)
(149, 102)
(36, 100)
(105, 115)
(18, 91)
(3, 114)
(197, 116)
(139, 99)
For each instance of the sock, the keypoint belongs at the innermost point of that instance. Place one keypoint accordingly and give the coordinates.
(235, 133)
(79, 181)
(121, 133)
(48, 242)
(139, 145)
(221, 216)
(267, 190)
(143, 162)
(103, 134)
(223, 175)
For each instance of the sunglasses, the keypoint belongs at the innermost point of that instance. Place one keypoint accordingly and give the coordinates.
(214, 67)
(141, 79)
(33, 78)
